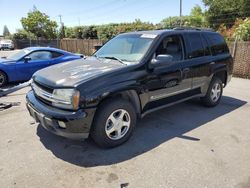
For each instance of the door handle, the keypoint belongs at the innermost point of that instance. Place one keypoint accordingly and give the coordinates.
(186, 70)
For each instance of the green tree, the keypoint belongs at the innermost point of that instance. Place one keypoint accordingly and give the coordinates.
(70, 32)
(39, 24)
(226, 11)
(6, 31)
(62, 32)
(242, 32)
(89, 32)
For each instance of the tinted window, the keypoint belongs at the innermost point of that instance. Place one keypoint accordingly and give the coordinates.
(56, 54)
(40, 55)
(205, 46)
(196, 45)
(218, 44)
(171, 45)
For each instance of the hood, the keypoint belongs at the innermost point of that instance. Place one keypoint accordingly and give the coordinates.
(74, 72)
(5, 61)
(6, 42)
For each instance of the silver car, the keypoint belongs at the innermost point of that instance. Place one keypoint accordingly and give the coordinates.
(6, 44)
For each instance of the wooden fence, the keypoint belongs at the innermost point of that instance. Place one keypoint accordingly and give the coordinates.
(83, 46)
(241, 59)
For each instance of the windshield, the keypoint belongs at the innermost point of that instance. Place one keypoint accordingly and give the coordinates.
(18, 55)
(127, 48)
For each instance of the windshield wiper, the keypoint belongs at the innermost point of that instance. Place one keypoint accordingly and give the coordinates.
(115, 58)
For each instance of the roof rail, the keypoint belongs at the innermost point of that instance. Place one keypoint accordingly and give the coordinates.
(193, 28)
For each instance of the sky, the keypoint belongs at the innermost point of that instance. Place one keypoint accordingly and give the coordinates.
(92, 12)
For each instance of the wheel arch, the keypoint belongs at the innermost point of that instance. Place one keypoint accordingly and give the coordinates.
(222, 75)
(7, 76)
(130, 95)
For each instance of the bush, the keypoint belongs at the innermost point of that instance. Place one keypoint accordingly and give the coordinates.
(243, 31)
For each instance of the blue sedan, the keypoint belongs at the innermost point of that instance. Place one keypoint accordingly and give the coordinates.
(23, 64)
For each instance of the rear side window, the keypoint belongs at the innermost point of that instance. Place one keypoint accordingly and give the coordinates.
(205, 45)
(218, 44)
(56, 54)
(196, 45)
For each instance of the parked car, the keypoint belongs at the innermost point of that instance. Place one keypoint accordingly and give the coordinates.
(22, 65)
(130, 76)
(6, 44)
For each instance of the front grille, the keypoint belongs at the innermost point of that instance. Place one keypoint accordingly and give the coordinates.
(42, 92)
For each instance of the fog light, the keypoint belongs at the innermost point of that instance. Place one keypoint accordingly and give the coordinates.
(62, 124)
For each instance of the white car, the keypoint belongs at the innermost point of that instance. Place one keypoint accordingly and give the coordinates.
(6, 44)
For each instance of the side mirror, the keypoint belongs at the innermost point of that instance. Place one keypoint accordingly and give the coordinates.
(161, 60)
(26, 59)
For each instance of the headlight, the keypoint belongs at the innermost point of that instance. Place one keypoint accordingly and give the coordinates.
(66, 98)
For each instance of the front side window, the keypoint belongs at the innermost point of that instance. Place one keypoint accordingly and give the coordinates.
(172, 46)
(128, 48)
(40, 55)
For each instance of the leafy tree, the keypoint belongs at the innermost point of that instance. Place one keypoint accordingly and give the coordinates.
(70, 32)
(243, 31)
(226, 11)
(6, 31)
(62, 32)
(89, 32)
(22, 34)
(39, 24)
(195, 19)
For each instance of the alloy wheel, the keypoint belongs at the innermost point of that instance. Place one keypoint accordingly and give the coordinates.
(215, 92)
(117, 124)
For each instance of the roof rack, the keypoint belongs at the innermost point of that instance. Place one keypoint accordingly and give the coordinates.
(193, 28)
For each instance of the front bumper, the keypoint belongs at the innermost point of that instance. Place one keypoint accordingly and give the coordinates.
(7, 47)
(77, 123)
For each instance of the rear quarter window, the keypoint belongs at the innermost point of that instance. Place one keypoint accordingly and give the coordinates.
(217, 43)
(56, 54)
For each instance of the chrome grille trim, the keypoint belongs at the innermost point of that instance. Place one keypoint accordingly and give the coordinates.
(42, 93)
(46, 95)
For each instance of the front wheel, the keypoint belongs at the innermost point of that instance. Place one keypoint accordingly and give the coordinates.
(214, 93)
(3, 79)
(113, 123)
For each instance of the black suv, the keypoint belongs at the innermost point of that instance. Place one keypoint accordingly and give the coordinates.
(130, 76)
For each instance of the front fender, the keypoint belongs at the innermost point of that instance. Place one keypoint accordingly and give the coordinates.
(94, 98)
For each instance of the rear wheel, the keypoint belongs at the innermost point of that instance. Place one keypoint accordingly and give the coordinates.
(113, 123)
(3, 79)
(214, 93)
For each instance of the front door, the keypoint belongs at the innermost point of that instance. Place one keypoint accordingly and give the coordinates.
(38, 60)
(168, 80)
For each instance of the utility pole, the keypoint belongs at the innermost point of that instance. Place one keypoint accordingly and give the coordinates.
(180, 13)
(60, 16)
(79, 22)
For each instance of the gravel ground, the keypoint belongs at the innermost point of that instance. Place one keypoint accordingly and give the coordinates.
(186, 145)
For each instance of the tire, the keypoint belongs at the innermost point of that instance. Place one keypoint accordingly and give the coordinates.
(214, 93)
(3, 79)
(113, 115)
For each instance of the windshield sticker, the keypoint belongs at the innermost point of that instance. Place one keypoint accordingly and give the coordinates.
(149, 36)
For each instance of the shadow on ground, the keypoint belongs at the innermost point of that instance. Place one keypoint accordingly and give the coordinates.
(153, 130)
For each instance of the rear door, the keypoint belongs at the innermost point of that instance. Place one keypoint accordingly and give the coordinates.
(199, 58)
(38, 60)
